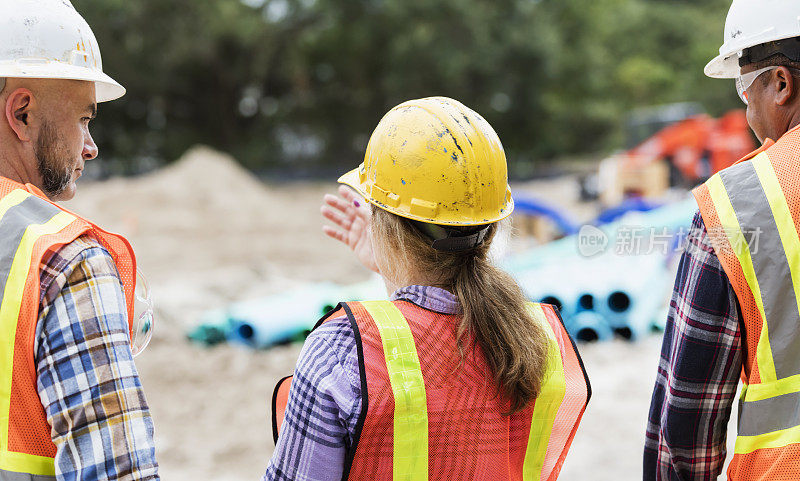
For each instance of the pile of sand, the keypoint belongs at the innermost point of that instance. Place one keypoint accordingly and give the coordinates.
(207, 232)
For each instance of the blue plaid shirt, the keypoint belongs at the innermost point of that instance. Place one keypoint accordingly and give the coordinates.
(701, 360)
(87, 380)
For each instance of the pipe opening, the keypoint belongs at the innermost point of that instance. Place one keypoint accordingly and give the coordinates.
(618, 301)
(246, 331)
(586, 302)
(553, 300)
(624, 332)
(587, 334)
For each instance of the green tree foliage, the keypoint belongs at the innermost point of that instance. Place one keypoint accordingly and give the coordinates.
(298, 85)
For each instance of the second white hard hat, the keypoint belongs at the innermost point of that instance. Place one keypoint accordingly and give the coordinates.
(50, 39)
(751, 23)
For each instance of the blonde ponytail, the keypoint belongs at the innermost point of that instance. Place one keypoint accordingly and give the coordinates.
(493, 305)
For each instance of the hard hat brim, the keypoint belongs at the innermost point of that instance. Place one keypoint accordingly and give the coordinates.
(353, 180)
(727, 65)
(106, 88)
(723, 66)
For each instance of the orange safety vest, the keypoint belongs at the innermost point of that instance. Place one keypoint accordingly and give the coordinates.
(752, 214)
(427, 415)
(31, 226)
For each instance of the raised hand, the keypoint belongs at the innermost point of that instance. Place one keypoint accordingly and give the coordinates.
(350, 216)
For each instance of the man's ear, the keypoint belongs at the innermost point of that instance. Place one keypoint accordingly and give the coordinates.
(786, 87)
(18, 106)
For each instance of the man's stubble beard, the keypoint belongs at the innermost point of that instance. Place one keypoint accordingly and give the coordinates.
(54, 169)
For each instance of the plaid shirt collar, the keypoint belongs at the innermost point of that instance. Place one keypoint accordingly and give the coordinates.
(428, 297)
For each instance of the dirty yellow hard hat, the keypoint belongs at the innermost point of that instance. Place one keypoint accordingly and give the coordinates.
(436, 161)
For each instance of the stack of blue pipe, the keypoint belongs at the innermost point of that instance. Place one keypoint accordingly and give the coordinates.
(603, 297)
(613, 292)
(599, 296)
(279, 319)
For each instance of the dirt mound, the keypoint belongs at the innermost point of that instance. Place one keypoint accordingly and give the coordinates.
(206, 231)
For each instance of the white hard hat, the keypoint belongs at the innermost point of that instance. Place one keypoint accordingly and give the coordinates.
(49, 39)
(751, 23)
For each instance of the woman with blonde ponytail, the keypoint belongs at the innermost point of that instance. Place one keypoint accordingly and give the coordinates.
(456, 376)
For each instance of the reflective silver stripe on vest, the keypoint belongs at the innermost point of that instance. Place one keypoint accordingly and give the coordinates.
(769, 415)
(12, 476)
(771, 266)
(32, 210)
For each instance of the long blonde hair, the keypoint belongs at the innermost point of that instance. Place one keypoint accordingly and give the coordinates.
(492, 304)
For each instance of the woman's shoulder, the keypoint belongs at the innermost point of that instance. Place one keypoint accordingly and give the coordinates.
(336, 331)
(333, 343)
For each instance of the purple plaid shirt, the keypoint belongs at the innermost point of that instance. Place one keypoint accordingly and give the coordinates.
(325, 400)
(701, 359)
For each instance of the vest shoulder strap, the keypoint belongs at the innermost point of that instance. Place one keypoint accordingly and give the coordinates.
(280, 398)
(556, 324)
(280, 395)
(30, 225)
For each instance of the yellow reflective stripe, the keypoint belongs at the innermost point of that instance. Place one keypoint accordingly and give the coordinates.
(547, 403)
(775, 439)
(733, 231)
(27, 463)
(9, 311)
(783, 218)
(15, 197)
(408, 388)
(757, 392)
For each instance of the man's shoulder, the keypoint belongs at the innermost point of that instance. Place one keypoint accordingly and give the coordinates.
(58, 263)
(701, 242)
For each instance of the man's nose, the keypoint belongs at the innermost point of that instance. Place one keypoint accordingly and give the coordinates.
(89, 148)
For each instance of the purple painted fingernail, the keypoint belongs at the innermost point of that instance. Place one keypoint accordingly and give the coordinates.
(356, 203)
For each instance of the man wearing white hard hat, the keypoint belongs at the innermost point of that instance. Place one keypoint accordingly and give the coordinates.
(735, 311)
(71, 403)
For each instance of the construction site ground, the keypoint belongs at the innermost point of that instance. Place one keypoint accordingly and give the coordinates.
(207, 233)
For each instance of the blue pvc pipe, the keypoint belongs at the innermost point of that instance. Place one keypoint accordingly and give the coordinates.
(635, 204)
(588, 326)
(261, 323)
(615, 304)
(536, 207)
(649, 312)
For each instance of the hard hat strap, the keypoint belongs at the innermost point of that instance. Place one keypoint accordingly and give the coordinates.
(452, 239)
(789, 47)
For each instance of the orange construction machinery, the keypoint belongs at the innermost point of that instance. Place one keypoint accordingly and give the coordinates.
(686, 148)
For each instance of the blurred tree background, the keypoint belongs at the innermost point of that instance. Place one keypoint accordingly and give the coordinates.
(295, 87)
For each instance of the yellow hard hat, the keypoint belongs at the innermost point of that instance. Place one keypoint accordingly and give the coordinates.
(435, 160)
